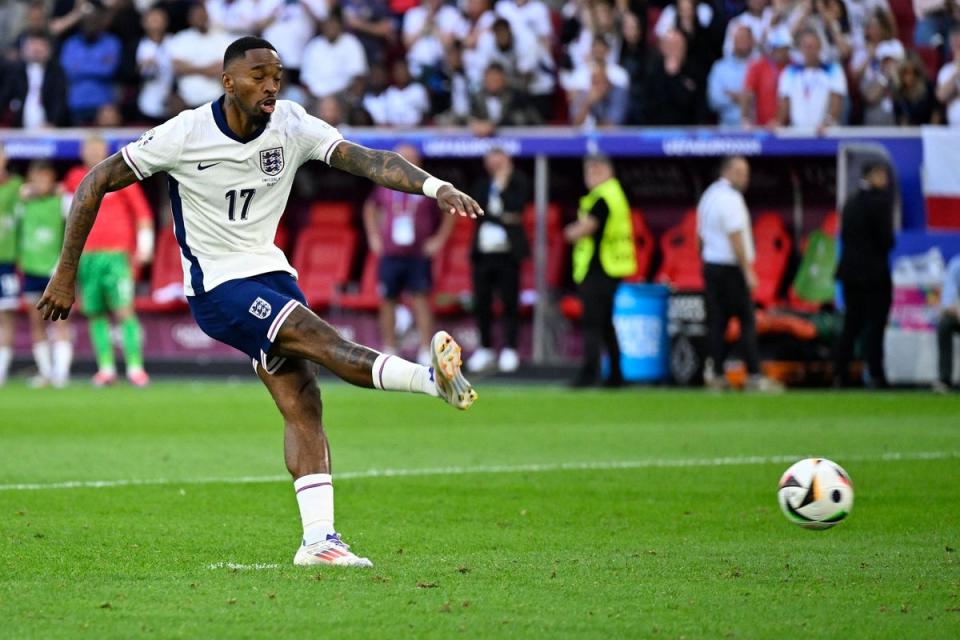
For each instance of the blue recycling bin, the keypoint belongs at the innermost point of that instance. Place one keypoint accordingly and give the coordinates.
(640, 317)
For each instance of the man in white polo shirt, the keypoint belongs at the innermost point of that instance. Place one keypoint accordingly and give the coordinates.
(726, 244)
(811, 95)
(948, 81)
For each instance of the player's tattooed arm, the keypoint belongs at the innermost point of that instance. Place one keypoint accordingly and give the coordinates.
(110, 175)
(389, 169)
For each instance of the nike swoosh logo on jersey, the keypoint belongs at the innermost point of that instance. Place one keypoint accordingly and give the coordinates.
(201, 166)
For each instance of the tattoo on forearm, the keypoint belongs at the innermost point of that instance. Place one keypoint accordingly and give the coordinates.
(386, 168)
(112, 174)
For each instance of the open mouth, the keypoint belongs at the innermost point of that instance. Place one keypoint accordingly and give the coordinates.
(268, 105)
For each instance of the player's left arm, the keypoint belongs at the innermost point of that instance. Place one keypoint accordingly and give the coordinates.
(110, 175)
(389, 169)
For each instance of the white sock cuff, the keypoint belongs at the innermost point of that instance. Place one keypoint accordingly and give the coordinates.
(378, 366)
(312, 481)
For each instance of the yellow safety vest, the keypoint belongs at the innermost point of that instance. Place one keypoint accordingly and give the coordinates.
(617, 251)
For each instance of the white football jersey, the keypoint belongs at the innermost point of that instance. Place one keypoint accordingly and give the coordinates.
(227, 194)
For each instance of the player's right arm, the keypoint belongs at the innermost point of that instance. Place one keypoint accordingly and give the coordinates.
(110, 175)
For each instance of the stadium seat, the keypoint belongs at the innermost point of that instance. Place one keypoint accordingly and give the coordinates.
(682, 267)
(452, 277)
(831, 224)
(643, 241)
(368, 297)
(331, 215)
(773, 245)
(905, 18)
(323, 258)
(166, 280)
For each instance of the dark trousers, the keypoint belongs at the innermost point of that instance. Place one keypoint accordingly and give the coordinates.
(867, 309)
(726, 296)
(500, 272)
(597, 292)
(949, 324)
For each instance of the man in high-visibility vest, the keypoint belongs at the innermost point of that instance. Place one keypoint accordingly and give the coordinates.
(603, 254)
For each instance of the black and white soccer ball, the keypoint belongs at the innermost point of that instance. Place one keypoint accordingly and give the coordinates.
(815, 493)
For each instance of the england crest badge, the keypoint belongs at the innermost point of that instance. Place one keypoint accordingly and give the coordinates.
(271, 161)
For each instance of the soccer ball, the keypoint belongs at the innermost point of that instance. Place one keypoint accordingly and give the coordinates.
(815, 493)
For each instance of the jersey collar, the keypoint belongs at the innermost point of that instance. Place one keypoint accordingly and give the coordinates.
(221, 119)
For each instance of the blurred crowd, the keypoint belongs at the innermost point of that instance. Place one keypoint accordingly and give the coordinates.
(491, 63)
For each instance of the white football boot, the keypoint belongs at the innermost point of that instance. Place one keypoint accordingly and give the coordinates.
(333, 551)
(451, 384)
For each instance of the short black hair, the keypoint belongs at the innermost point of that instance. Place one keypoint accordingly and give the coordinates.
(875, 165)
(238, 48)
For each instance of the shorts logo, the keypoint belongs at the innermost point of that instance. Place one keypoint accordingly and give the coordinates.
(271, 161)
(260, 308)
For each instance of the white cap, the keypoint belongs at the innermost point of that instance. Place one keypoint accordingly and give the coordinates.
(890, 49)
(779, 37)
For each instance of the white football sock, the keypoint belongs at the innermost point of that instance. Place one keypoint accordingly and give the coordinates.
(315, 497)
(6, 355)
(392, 373)
(41, 354)
(62, 359)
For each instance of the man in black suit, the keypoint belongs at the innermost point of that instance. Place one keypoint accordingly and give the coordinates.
(864, 271)
(34, 87)
(499, 246)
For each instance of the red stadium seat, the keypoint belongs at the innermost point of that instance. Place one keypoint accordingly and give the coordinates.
(773, 245)
(323, 258)
(905, 18)
(368, 297)
(331, 215)
(452, 276)
(643, 241)
(831, 224)
(682, 267)
(166, 280)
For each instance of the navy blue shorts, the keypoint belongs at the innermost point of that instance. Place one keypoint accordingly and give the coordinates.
(34, 286)
(9, 286)
(247, 313)
(397, 274)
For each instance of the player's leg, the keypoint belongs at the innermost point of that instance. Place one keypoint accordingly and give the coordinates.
(390, 292)
(304, 335)
(42, 354)
(119, 298)
(91, 282)
(853, 322)
(62, 353)
(307, 455)
(9, 300)
(875, 324)
(610, 334)
(6, 344)
(483, 279)
(419, 283)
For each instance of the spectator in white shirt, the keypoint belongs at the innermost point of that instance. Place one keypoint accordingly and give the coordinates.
(403, 104)
(237, 17)
(480, 18)
(428, 30)
(725, 82)
(289, 26)
(948, 81)
(155, 64)
(757, 18)
(668, 18)
(197, 55)
(332, 59)
(530, 15)
(599, 94)
(859, 13)
(811, 95)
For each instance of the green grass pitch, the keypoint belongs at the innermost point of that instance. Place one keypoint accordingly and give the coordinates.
(538, 513)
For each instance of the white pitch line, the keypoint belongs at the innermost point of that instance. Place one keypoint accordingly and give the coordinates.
(892, 456)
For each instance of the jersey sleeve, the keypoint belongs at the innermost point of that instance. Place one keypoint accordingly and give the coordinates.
(158, 149)
(316, 138)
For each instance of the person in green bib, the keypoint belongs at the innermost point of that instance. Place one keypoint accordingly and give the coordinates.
(40, 222)
(603, 254)
(10, 184)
